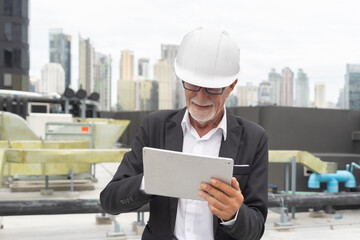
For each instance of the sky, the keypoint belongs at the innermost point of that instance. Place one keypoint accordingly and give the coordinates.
(320, 37)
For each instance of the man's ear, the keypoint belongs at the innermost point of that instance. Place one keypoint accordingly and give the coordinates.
(231, 88)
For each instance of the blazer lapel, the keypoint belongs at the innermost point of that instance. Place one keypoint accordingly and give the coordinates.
(230, 147)
(174, 141)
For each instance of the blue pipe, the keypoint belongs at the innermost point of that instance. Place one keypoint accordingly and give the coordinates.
(332, 180)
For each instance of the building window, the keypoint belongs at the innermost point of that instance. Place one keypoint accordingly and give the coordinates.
(24, 8)
(17, 8)
(7, 31)
(7, 80)
(8, 7)
(16, 32)
(8, 57)
(17, 58)
(24, 34)
(16, 82)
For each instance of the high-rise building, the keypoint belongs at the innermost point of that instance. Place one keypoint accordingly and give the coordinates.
(320, 95)
(264, 94)
(145, 95)
(341, 99)
(60, 51)
(286, 92)
(126, 85)
(247, 95)
(126, 95)
(252, 94)
(102, 80)
(275, 81)
(127, 65)
(86, 65)
(14, 45)
(34, 84)
(144, 68)
(302, 89)
(241, 95)
(169, 52)
(352, 86)
(163, 73)
(52, 78)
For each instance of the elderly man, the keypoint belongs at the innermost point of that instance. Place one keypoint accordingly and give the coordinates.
(207, 62)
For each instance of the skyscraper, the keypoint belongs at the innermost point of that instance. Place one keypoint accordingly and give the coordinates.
(52, 78)
(352, 86)
(60, 51)
(86, 65)
(252, 94)
(14, 45)
(341, 99)
(169, 52)
(241, 95)
(286, 93)
(302, 89)
(144, 68)
(127, 65)
(275, 81)
(34, 84)
(265, 94)
(126, 84)
(102, 80)
(320, 95)
(163, 73)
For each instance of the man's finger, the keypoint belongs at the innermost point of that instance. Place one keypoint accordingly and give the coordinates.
(211, 200)
(235, 184)
(214, 193)
(227, 189)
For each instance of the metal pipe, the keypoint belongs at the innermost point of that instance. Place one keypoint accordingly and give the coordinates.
(315, 200)
(293, 183)
(83, 109)
(72, 180)
(47, 182)
(67, 103)
(72, 206)
(287, 178)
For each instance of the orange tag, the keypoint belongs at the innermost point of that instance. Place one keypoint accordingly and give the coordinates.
(84, 129)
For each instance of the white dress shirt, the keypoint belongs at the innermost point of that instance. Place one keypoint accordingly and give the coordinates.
(194, 221)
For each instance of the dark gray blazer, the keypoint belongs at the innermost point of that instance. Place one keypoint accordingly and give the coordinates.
(246, 143)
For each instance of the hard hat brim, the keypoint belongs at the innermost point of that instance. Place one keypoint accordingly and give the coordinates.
(202, 80)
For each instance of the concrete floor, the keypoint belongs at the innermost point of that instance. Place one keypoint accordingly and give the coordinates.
(83, 226)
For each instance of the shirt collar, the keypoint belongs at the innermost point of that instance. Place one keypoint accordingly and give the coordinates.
(186, 125)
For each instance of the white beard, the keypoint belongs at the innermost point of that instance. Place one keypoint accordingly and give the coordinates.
(201, 116)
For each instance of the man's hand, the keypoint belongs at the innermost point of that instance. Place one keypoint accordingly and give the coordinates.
(223, 200)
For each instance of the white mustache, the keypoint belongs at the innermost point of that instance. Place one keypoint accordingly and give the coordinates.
(203, 104)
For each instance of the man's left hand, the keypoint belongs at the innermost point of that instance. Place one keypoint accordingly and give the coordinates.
(223, 200)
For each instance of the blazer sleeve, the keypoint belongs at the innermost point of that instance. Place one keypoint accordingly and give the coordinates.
(123, 194)
(250, 222)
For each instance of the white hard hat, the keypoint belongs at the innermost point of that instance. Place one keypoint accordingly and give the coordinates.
(208, 57)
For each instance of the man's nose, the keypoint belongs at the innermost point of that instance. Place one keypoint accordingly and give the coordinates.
(202, 95)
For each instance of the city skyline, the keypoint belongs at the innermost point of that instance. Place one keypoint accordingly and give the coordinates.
(320, 40)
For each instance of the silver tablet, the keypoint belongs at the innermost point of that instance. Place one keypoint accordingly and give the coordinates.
(177, 174)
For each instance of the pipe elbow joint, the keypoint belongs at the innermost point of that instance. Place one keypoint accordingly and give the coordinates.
(314, 181)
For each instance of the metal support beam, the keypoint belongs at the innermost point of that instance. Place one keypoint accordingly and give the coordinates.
(293, 184)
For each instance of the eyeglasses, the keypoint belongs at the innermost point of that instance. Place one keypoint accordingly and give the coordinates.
(194, 88)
